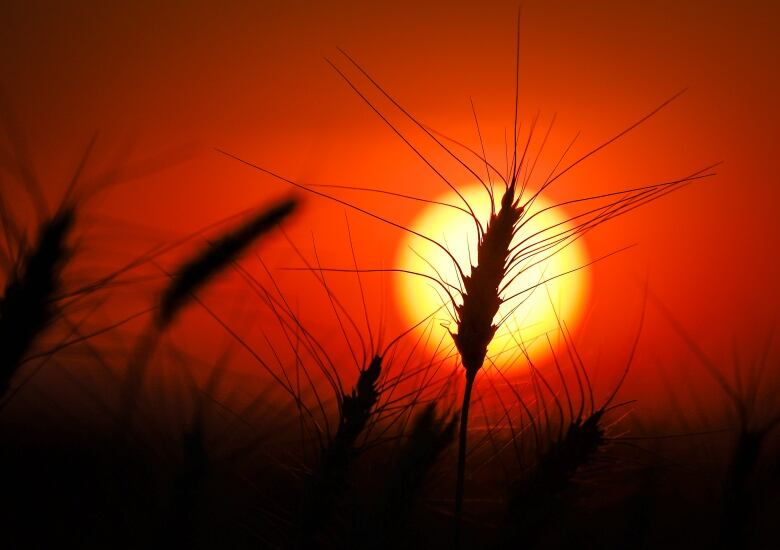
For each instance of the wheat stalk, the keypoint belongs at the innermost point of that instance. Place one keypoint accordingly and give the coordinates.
(480, 302)
(327, 480)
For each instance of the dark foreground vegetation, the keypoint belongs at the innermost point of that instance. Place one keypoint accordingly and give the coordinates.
(115, 435)
(369, 461)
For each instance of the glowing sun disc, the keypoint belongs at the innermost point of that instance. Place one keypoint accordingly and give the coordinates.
(536, 312)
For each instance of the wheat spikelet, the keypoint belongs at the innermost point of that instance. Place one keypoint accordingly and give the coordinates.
(327, 481)
(480, 295)
(533, 499)
(481, 299)
(28, 304)
(194, 273)
(189, 277)
(429, 438)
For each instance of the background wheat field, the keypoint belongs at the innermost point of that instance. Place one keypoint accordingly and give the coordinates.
(210, 215)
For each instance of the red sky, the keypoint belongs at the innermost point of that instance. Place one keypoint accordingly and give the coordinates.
(251, 78)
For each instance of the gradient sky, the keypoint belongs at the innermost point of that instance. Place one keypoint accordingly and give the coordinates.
(251, 78)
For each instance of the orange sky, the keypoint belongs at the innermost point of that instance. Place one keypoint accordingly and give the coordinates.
(251, 79)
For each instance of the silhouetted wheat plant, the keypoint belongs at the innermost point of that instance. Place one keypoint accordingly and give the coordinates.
(33, 280)
(325, 483)
(325, 480)
(187, 279)
(217, 256)
(563, 442)
(755, 416)
(34, 296)
(28, 305)
(535, 498)
(506, 247)
(338, 427)
(428, 439)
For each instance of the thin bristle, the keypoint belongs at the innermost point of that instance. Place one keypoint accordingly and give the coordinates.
(28, 305)
(194, 273)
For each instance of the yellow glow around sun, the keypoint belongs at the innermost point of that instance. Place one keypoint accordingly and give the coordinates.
(534, 316)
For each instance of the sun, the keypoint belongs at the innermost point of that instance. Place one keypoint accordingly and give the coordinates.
(551, 288)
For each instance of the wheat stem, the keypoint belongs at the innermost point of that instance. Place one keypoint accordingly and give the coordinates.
(462, 437)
